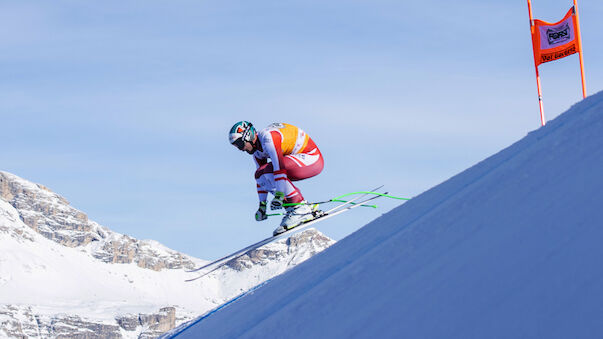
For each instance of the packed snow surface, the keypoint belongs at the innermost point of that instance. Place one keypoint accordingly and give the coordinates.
(510, 248)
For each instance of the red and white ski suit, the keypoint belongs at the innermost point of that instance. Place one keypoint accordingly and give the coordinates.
(293, 156)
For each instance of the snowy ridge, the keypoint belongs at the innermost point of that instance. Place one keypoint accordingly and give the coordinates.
(51, 215)
(50, 288)
(509, 248)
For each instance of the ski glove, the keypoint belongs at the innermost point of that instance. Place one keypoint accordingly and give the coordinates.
(277, 202)
(261, 213)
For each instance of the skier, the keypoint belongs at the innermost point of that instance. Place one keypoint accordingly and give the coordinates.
(293, 156)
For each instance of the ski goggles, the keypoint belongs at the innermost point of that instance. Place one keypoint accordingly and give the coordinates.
(239, 143)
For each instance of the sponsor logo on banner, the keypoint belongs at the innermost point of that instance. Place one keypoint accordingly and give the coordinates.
(558, 35)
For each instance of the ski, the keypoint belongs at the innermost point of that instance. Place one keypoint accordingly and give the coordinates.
(223, 261)
(213, 266)
(261, 242)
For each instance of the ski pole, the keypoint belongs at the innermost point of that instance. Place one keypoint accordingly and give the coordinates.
(338, 199)
(318, 203)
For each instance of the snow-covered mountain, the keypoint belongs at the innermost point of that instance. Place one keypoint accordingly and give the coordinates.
(509, 248)
(51, 215)
(62, 275)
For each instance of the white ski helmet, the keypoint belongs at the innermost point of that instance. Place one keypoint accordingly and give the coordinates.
(240, 132)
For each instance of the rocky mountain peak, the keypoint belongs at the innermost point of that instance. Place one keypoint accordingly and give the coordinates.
(52, 216)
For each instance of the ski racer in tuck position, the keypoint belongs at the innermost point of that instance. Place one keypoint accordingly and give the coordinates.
(283, 153)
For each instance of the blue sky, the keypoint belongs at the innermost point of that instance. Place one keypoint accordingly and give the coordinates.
(124, 107)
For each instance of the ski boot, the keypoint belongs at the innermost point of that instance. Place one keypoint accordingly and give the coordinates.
(297, 215)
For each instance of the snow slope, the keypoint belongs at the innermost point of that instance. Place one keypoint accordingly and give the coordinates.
(510, 248)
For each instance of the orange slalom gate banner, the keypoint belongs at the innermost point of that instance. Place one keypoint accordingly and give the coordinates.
(557, 40)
